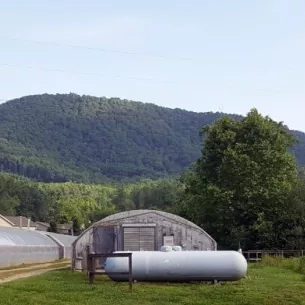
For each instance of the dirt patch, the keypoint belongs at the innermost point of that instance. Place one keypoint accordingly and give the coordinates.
(19, 273)
(28, 274)
(32, 266)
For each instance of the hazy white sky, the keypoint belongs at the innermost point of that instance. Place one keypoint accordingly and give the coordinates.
(201, 55)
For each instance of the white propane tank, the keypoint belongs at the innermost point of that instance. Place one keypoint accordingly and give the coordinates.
(177, 248)
(179, 266)
(166, 249)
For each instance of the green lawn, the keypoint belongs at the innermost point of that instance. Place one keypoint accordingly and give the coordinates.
(264, 285)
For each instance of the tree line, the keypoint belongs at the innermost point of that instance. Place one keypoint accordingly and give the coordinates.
(81, 203)
(246, 189)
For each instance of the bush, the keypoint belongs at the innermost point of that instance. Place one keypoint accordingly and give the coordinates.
(295, 264)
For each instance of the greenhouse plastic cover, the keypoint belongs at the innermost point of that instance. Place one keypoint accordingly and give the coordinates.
(21, 237)
(66, 240)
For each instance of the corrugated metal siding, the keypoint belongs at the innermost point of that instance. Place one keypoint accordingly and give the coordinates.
(131, 239)
(147, 239)
(139, 238)
(186, 234)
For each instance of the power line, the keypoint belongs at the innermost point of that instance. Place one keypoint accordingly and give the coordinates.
(120, 51)
(124, 53)
(85, 73)
(94, 49)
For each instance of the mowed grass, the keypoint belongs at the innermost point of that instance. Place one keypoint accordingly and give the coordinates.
(263, 285)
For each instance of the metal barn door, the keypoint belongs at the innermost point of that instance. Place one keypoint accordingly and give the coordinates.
(139, 238)
(103, 239)
(103, 242)
(147, 238)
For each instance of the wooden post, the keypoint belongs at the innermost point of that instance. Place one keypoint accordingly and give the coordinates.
(91, 277)
(130, 271)
(89, 267)
(93, 269)
(92, 262)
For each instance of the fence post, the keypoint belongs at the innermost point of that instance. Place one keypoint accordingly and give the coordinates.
(92, 270)
(89, 266)
(130, 271)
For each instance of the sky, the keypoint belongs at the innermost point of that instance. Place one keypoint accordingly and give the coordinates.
(205, 55)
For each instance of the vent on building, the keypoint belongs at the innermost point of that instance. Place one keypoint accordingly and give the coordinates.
(139, 238)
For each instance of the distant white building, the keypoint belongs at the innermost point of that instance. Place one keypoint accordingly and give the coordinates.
(20, 222)
(4, 222)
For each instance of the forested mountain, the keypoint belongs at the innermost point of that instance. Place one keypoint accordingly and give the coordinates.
(82, 138)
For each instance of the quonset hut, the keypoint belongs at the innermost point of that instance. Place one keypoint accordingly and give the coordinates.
(139, 230)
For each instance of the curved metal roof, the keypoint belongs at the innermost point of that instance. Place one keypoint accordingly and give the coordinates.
(66, 240)
(20, 237)
(132, 213)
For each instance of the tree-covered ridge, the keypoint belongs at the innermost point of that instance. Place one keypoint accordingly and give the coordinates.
(82, 138)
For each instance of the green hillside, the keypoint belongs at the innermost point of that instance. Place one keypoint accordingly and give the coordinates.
(82, 138)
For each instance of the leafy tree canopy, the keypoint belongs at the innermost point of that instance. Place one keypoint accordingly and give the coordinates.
(239, 189)
(79, 203)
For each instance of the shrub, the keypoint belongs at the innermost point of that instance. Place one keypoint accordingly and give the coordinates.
(295, 264)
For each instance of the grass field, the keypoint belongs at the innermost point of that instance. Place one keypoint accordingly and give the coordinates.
(273, 285)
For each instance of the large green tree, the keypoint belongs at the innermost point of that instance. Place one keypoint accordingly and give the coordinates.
(238, 190)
